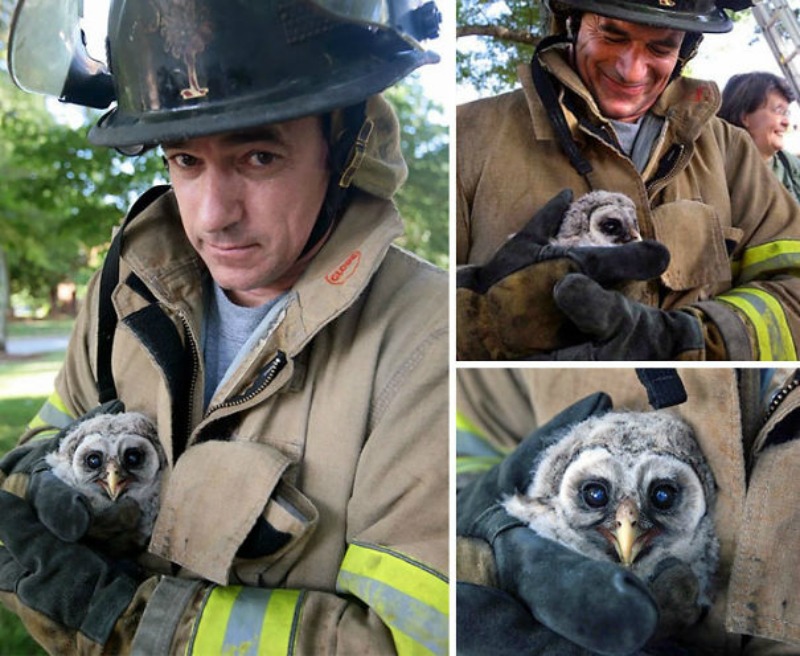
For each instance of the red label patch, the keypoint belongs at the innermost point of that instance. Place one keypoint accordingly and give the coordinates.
(345, 270)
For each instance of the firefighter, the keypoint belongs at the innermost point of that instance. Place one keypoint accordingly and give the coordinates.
(293, 358)
(603, 105)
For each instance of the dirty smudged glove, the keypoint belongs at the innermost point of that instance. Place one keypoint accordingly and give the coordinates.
(48, 580)
(677, 593)
(505, 308)
(490, 622)
(46, 577)
(598, 606)
(617, 328)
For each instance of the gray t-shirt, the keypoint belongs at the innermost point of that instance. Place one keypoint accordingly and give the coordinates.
(227, 328)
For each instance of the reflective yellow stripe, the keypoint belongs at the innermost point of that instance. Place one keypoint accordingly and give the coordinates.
(240, 621)
(211, 628)
(52, 413)
(464, 423)
(472, 464)
(768, 319)
(472, 441)
(279, 622)
(411, 599)
(773, 258)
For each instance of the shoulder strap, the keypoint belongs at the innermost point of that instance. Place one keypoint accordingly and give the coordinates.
(107, 316)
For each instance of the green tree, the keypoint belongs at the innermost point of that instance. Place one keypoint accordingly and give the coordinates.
(503, 34)
(423, 200)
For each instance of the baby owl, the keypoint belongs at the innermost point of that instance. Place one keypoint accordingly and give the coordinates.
(115, 461)
(599, 218)
(626, 487)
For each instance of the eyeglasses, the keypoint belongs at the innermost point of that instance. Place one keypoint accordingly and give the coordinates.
(780, 110)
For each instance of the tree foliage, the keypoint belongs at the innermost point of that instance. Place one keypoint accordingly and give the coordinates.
(423, 200)
(502, 34)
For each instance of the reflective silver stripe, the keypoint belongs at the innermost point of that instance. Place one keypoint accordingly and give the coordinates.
(50, 415)
(243, 631)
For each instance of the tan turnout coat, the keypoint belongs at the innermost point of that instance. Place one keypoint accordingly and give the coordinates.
(711, 201)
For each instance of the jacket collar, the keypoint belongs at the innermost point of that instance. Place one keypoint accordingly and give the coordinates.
(157, 250)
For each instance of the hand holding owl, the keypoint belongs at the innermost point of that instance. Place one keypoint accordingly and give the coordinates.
(54, 570)
(506, 309)
(596, 605)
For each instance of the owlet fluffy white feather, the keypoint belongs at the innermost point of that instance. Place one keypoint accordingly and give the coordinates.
(116, 462)
(630, 488)
(599, 218)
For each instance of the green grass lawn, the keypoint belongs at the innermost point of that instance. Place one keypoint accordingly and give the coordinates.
(39, 327)
(24, 385)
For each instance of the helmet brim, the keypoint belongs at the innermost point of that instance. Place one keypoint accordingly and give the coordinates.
(711, 21)
(134, 133)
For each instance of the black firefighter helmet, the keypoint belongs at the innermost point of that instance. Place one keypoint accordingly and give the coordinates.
(684, 15)
(185, 68)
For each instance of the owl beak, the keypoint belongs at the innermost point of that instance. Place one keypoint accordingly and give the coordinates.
(114, 481)
(627, 532)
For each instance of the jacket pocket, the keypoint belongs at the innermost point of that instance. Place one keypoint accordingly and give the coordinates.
(217, 495)
(764, 592)
(698, 255)
(290, 513)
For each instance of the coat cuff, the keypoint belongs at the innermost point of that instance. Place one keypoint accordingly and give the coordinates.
(162, 615)
(731, 328)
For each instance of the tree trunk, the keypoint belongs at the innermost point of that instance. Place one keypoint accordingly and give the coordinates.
(5, 300)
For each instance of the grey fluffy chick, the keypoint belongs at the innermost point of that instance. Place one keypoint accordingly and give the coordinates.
(599, 218)
(116, 462)
(630, 488)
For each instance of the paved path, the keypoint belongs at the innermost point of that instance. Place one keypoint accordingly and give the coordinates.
(34, 345)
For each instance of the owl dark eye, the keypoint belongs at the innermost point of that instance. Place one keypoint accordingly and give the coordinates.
(663, 496)
(595, 494)
(611, 227)
(132, 458)
(93, 460)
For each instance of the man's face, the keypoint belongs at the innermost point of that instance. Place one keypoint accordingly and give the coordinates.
(248, 201)
(624, 65)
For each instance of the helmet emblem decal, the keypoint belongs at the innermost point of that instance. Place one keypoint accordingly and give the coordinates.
(187, 31)
(666, 3)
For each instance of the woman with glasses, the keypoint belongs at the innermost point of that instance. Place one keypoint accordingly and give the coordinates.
(759, 103)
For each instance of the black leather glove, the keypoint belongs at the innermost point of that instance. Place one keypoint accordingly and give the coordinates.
(67, 582)
(505, 308)
(490, 622)
(617, 328)
(598, 606)
(46, 576)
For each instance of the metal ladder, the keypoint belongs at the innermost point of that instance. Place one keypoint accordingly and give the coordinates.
(781, 27)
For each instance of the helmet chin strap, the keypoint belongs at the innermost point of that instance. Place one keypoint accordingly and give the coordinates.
(347, 151)
(689, 47)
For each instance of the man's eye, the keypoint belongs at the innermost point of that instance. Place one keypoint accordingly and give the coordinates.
(262, 158)
(662, 52)
(183, 160)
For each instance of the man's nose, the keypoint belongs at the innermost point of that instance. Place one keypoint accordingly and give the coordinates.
(219, 205)
(631, 66)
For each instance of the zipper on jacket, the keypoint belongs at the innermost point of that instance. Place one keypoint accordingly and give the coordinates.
(192, 383)
(780, 395)
(264, 380)
(667, 167)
